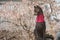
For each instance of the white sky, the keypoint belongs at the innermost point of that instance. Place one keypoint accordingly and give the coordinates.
(57, 1)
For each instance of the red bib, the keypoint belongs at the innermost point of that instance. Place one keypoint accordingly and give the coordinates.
(40, 18)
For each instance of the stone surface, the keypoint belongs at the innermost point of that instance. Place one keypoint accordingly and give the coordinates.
(17, 19)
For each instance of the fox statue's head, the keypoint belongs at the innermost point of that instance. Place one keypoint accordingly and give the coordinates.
(37, 10)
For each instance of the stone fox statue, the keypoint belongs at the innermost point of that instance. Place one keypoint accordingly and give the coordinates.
(40, 24)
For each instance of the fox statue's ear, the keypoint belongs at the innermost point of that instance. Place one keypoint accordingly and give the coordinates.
(34, 6)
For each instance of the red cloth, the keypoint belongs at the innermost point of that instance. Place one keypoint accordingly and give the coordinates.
(40, 18)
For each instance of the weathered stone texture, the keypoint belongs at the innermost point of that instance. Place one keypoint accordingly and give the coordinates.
(17, 20)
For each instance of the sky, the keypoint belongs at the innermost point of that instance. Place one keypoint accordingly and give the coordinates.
(57, 1)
